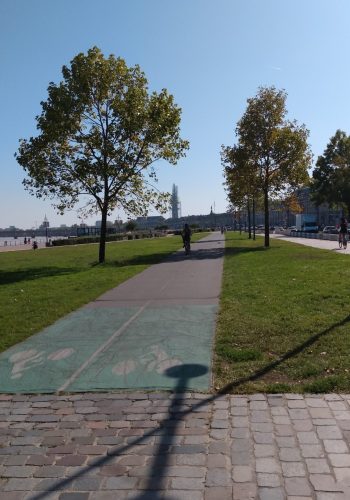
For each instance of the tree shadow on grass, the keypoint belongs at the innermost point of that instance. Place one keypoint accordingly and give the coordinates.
(35, 273)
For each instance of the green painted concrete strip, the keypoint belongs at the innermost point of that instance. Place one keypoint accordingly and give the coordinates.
(158, 339)
(44, 361)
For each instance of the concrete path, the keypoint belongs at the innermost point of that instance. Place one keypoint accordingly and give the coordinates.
(313, 242)
(185, 446)
(132, 335)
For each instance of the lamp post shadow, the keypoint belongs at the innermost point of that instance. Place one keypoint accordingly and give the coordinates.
(156, 482)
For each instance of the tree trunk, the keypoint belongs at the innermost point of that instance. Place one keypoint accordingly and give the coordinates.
(253, 218)
(102, 250)
(249, 220)
(267, 217)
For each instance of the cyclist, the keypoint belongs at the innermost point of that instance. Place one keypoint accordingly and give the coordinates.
(343, 231)
(186, 238)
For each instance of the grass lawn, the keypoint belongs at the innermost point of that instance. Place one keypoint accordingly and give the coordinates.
(39, 287)
(284, 320)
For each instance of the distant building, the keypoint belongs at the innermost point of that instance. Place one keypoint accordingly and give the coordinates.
(149, 222)
(45, 224)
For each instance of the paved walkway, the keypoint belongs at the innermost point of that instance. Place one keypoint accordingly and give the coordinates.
(313, 242)
(172, 446)
(175, 447)
(131, 336)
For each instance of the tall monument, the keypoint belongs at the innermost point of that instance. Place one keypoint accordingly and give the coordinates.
(175, 203)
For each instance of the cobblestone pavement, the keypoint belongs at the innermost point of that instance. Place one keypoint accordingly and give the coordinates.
(174, 446)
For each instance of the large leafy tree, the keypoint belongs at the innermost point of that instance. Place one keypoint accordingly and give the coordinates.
(100, 133)
(276, 147)
(331, 175)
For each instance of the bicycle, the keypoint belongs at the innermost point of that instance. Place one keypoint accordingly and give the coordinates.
(343, 242)
(187, 245)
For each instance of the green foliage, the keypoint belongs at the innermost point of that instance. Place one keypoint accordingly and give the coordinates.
(331, 176)
(130, 225)
(272, 155)
(100, 132)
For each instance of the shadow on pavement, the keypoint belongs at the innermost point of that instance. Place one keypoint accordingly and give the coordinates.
(168, 429)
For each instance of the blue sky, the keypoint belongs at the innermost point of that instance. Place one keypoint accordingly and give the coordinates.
(211, 55)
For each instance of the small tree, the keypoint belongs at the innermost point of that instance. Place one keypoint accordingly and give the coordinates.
(100, 132)
(240, 180)
(277, 148)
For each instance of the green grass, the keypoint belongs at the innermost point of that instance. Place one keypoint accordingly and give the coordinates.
(39, 287)
(284, 320)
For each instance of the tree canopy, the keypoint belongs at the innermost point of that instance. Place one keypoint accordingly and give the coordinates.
(331, 175)
(276, 150)
(100, 133)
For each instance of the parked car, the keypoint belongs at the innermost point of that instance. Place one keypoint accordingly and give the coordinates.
(292, 228)
(330, 230)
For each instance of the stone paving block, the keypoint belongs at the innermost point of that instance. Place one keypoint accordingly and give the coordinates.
(264, 450)
(271, 494)
(218, 477)
(240, 433)
(317, 465)
(286, 441)
(50, 471)
(216, 493)
(342, 474)
(119, 483)
(324, 482)
(320, 413)
(316, 402)
(324, 421)
(12, 495)
(17, 471)
(284, 430)
(312, 451)
(339, 459)
(263, 437)
(330, 496)
(303, 425)
(241, 458)
(296, 403)
(21, 484)
(335, 446)
(242, 473)
(293, 469)
(297, 486)
(329, 432)
(269, 465)
(87, 483)
(307, 437)
(289, 454)
(185, 483)
(244, 491)
(298, 413)
(268, 480)
(217, 460)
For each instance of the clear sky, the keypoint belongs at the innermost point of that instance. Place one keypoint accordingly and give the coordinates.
(211, 55)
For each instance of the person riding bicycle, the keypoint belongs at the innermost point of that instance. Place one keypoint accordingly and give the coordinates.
(343, 231)
(186, 235)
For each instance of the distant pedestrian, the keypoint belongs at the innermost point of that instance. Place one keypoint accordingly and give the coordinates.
(25, 240)
(35, 245)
